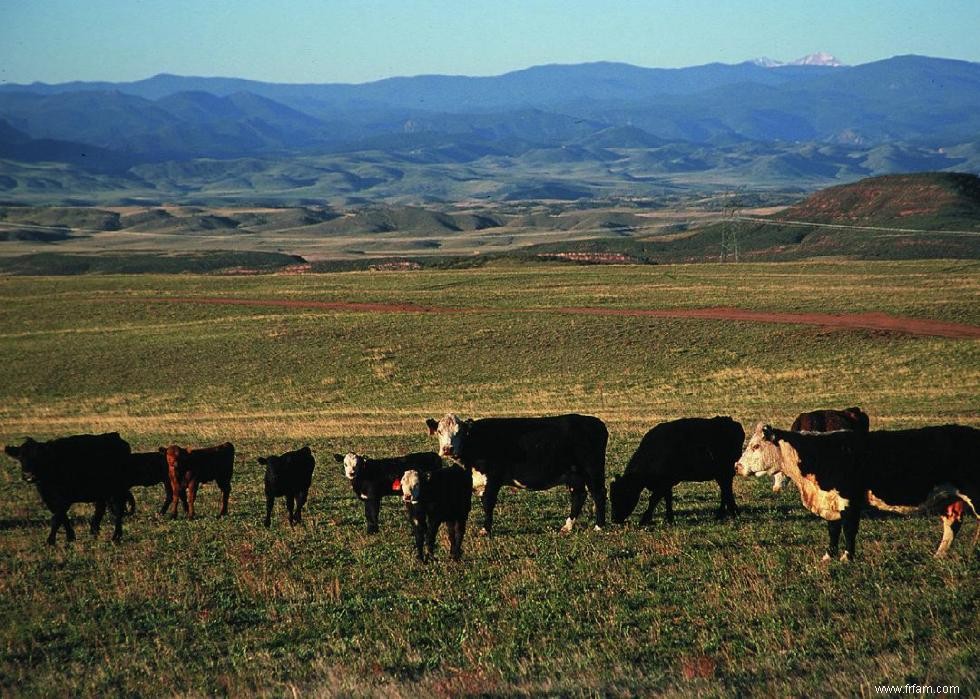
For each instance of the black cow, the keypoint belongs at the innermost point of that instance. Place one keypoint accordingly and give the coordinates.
(443, 495)
(189, 468)
(853, 419)
(689, 449)
(536, 453)
(81, 468)
(288, 476)
(147, 469)
(373, 479)
(899, 471)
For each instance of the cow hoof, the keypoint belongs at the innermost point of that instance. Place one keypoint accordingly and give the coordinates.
(826, 557)
(845, 557)
(484, 532)
(267, 523)
(597, 528)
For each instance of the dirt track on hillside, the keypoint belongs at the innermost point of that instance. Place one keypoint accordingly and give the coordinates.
(848, 321)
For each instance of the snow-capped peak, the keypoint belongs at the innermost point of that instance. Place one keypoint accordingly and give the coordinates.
(821, 58)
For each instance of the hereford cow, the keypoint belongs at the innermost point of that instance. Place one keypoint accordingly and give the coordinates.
(373, 479)
(148, 469)
(536, 453)
(81, 468)
(288, 476)
(189, 468)
(689, 449)
(444, 495)
(825, 421)
(899, 471)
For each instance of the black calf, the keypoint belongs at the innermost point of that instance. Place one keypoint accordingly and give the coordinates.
(436, 497)
(288, 476)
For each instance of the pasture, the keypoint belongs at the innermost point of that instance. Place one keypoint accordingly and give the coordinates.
(697, 608)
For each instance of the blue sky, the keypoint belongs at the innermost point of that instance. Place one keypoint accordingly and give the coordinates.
(347, 41)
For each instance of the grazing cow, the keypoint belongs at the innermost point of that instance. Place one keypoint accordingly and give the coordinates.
(372, 479)
(536, 453)
(689, 449)
(444, 495)
(901, 471)
(853, 419)
(147, 469)
(288, 476)
(189, 468)
(81, 468)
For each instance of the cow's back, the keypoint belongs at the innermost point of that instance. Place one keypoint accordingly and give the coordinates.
(690, 446)
(831, 420)
(211, 463)
(84, 468)
(904, 466)
(570, 440)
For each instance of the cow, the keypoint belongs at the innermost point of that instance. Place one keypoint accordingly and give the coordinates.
(147, 469)
(288, 476)
(443, 495)
(536, 453)
(189, 468)
(825, 421)
(900, 471)
(80, 468)
(372, 479)
(689, 449)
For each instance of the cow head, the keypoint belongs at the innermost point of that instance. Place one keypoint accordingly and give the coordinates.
(174, 455)
(29, 454)
(272, 463)
(623, 496)
(411, 484)
(860, 418)
(761, 456)
(451, 432)
(351, 462)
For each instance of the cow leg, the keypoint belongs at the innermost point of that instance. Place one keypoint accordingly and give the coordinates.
(833, 528)
(577, 493)
(59, 517)
(270, 501)
(669, 502)
(418, 528)
(727, 499)
(456, 550)
(597, 489)
(777, 482)
(118, 507)
(372, 507)
(179, 494)
(225, 494)
(97, 516)
(130, 503)
(300, 501)
(489, 501)
(430, 536)
(290, 507)
(952, 519)
(851, 518)
(651, 506)
(168, 496)
(191, 497)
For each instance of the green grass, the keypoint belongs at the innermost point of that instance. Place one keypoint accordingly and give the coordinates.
(227, 607)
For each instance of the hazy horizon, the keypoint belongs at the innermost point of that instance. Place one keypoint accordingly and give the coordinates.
(302, 41)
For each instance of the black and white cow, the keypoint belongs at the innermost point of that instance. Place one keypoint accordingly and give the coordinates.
(536, 453)
(853, 419)
(899, 471)
(373, 479)
(689, 449)
(436, 497)
(288, 476)
(81, 468)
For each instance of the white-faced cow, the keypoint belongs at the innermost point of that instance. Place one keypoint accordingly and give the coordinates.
(689, 449)
(373, 479)
(434, 498)
(853, 419)
(536, 453)
(898, 471)
(81, 468)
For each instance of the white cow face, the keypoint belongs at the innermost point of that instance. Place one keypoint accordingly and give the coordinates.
(410, 487)
(761, 456)
(351, 462)
(451, 432)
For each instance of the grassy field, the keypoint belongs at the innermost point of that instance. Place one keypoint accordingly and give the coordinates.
(697, 608)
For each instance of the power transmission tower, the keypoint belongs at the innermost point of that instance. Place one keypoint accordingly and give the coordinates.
(729, 229)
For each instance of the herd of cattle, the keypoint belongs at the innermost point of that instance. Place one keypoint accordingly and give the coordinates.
(837, 464)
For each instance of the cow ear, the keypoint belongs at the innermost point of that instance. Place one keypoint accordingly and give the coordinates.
(162, 450)
(432, 425)
(339, 458)
(767, 433)
(262, 460)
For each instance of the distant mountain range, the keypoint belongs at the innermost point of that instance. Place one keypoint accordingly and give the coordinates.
(561, 130)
